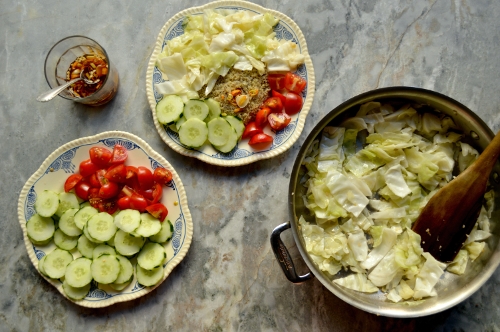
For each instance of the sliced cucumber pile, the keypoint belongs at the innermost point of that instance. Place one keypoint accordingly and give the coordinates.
(97, 246)
(199, 122)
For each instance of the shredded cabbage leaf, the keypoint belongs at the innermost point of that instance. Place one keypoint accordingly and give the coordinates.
(367, 182)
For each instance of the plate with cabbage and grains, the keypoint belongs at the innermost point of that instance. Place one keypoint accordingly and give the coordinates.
(230, 83)
(105, 219)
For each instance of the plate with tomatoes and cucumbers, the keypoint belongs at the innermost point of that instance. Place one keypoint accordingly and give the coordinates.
(189, 120)
(105, 219)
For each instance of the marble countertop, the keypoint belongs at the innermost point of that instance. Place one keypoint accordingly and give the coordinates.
(230, 279)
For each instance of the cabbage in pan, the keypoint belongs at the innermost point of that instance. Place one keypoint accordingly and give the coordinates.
(367, 182)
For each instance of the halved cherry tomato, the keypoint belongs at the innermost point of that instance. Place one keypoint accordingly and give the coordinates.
(101, 177)
(71, 181)
(123, 203)
(278, 121)
(162, 176)
(276, 81)
(145, 178)
(94, 183)
(294, 83)
(260, 141)
(293, 103)
(131, 171)
(158, 210)
(250, 130)
(100, 156)
(274, 103)
(93, 197)
(120, 154)
(108, 190)
(261, 116)
(108, 206)
(87, 167)
(275, 93)
(116, 173)
(137, 202)
(82, 189)
(157, 193)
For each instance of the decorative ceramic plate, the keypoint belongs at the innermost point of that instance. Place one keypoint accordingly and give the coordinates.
(242, 154)
(64, 161)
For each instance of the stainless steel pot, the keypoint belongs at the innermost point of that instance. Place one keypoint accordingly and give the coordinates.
(452, 289)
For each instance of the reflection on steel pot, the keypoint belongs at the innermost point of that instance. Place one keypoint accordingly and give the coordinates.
(451, 288)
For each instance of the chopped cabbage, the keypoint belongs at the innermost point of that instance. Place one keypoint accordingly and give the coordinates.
(367, 182)
(217, 41)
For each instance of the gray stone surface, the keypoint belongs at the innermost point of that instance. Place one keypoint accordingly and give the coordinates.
(230, 280)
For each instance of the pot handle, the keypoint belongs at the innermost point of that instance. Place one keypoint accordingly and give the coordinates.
(283, 257)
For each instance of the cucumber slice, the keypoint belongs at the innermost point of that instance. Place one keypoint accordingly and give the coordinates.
(164, 234)
(151, 256)
(101, 226)
(111, 242)
(179, 123)
(56, 262)
(231, 143)
(193, 133)
(75, 293)
(78, 272)
(195, 109)
(47, 203)
(86, 247)
(126, 244)
(84, 214)
(102, 249)
(237, 124)
(40, 229)
(67, 201)
(213, 109)
(219, 131)
(64, 241)
(40, 265)
(67, 223)
(149, 226)
(126, 271)
(149, 277)
(105, 269)
(128, 220)
(119, 287)
(84, 204)
(169, 109)
(90, 238)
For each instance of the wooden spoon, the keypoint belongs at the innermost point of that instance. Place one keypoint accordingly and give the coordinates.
(450, 215)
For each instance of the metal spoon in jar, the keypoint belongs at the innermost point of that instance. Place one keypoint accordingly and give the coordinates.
(48, 95)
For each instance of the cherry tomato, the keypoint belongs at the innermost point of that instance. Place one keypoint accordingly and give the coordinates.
(145, 178)
(108, 190)
(157, 193)
(120, 154)
(261, 116)
(94, 182)
(158, 210)
(108, 206)
(162, 176)
(87, 167)
(294, 83)
(278, 121)
(71, 181)
(82, 189)
(274, 103)
(293, 103)
(260, 141)
(250, 130)
(100, 156)
(137, 202)
(276, 81)
(93, 197)
(131, 171)
(123, 203)
(116, 173)
(275, 93)
(101, 177)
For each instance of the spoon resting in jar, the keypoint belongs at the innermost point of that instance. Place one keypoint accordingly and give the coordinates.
(49, 95)
(450, 215)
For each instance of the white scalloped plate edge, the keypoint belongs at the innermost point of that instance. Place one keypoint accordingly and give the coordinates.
(257, 156)
(152, 153)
